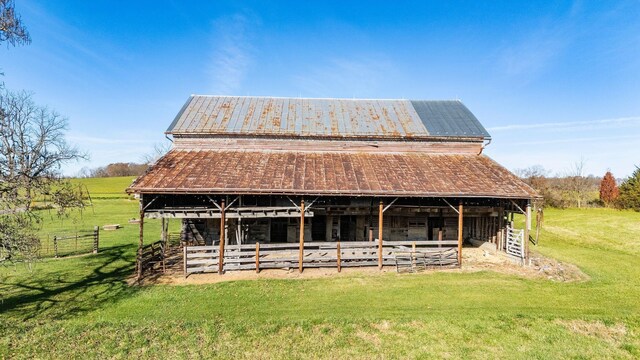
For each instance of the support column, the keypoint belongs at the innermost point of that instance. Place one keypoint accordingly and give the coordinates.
(380, 212)
(222, 239)
(329, 228)
(140, 240)
(527, 229)
(301, 254)
(499, 243)
(163, 232)
(460, 234)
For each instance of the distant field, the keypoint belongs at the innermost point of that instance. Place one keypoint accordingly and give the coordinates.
(106, 188)
(84, 306)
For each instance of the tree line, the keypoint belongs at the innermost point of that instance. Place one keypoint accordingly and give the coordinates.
(127, 168)
(574, 189)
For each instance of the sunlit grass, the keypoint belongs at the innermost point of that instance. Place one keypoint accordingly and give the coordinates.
(83, 306)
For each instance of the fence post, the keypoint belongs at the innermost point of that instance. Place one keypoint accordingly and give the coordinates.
(162, 250)
(338, 253)
(257, 257)
(76, 245)
(55, 246)
(96, 239)
(184, 260)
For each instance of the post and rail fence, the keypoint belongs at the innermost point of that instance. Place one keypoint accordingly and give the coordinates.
(259, 256)
(76, 243)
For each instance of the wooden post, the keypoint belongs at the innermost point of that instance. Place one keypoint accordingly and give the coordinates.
(140, 240)
(162, 253)
(301, 253)
(338, 253)
(163, 231)
(527, 228)
(257, 257)
(222, 239)
(76, 246)
(414, 258)
(499, 245)
(380, 212)
(55, 246)
(460, 234)
(184, 260)
(538, 222)
(370, 234)
(96, 239)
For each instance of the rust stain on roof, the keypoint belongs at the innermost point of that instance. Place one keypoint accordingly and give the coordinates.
(330, 173)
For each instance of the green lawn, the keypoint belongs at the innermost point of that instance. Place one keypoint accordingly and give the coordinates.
(83, 306)
(105, 188)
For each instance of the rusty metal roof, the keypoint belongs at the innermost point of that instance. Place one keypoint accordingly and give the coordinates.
(340, 118)
(330, 173)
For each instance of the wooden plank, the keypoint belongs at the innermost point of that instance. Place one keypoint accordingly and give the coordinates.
(257, 257)
(141, 239)
(222, 239)
(527, 228)
(380, 214)
(460, 228)
(301, 257)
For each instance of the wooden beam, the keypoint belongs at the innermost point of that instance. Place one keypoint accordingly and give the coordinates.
(527, 228)
(222, 239)
(257, 257)
(163, 231)
(499, 243)
(380, 214)
(301, 254)
(338, 254)
(460, 234)
(140, 241)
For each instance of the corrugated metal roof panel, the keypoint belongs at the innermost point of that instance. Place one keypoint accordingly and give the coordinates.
(449, 118)
(325, 117)
(330, 173)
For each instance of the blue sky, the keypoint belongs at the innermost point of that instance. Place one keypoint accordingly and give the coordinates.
(554, 82)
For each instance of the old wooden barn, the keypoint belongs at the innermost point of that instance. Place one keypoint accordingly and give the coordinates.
(264, 182)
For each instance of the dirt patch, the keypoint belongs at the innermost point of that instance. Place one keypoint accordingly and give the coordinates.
(473, 259)
(312, 273)
(476, 259)
(368, 337)
(613, 334)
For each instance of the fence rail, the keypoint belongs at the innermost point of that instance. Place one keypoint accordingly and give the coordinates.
(151, 255)
(515, 242)
(80, 242)
(319, 254)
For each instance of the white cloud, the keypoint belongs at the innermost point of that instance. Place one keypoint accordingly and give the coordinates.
(358, 76)
(232, 53)
(569, 125)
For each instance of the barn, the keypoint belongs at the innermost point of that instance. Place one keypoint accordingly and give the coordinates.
(268, 182)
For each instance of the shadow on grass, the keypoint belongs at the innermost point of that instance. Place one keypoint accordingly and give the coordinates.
(69, 287)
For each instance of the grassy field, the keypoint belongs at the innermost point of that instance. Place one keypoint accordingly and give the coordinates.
(82, 307)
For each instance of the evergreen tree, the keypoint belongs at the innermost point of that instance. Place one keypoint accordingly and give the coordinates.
(629, 197)
(608, 189)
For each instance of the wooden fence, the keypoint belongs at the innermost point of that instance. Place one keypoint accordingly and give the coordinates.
(151, 255)
(79, 242)
(515, 242)
(197, 259)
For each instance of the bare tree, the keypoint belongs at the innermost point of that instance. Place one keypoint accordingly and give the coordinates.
(12, 31)
(577, 184)
(32, 150)
(159, 150)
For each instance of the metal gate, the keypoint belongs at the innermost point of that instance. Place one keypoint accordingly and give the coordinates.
(515, 242)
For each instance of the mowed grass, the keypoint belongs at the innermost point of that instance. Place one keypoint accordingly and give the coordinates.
(82, 307)
(105, 188)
